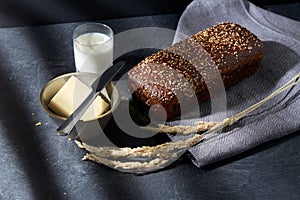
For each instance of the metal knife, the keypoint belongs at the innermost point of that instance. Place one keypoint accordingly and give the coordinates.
(67, 126)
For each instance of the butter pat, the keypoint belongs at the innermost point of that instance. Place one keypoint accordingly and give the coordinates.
(71, 95)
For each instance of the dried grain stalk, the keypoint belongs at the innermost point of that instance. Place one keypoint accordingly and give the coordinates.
(147, 159)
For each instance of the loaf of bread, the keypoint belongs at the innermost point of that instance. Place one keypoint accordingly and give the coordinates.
(165, 77)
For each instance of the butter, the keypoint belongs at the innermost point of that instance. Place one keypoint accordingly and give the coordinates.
(71, 95)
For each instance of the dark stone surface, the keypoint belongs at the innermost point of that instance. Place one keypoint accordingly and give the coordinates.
(37, 164)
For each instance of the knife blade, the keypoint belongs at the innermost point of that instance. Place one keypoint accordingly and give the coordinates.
(67, 126)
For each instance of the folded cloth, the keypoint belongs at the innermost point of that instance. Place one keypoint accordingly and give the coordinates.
(276, 118)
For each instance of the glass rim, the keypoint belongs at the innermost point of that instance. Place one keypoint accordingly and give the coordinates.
(97, 24)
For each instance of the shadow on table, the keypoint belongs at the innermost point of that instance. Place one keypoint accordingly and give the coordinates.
(27, 149)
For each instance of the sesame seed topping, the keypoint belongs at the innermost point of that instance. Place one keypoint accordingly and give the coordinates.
(173, 71)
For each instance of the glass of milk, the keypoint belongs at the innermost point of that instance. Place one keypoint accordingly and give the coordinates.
(93, 47)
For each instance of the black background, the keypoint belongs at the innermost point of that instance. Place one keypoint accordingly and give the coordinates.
(37, 12)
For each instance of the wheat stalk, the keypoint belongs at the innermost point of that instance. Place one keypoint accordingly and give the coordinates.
(146, 159)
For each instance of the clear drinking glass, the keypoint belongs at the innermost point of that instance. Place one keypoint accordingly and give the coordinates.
(93, 47)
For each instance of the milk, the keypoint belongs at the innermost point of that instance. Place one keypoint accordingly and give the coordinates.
(93, 52)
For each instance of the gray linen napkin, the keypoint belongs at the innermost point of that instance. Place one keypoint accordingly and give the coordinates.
(276, 118)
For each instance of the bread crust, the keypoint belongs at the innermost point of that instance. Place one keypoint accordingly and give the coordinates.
(172, 77)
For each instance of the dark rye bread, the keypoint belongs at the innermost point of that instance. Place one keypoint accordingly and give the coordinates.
(172, 77)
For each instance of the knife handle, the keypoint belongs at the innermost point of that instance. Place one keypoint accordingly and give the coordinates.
(67, 126)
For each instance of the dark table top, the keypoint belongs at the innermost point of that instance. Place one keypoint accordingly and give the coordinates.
(37, 164)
